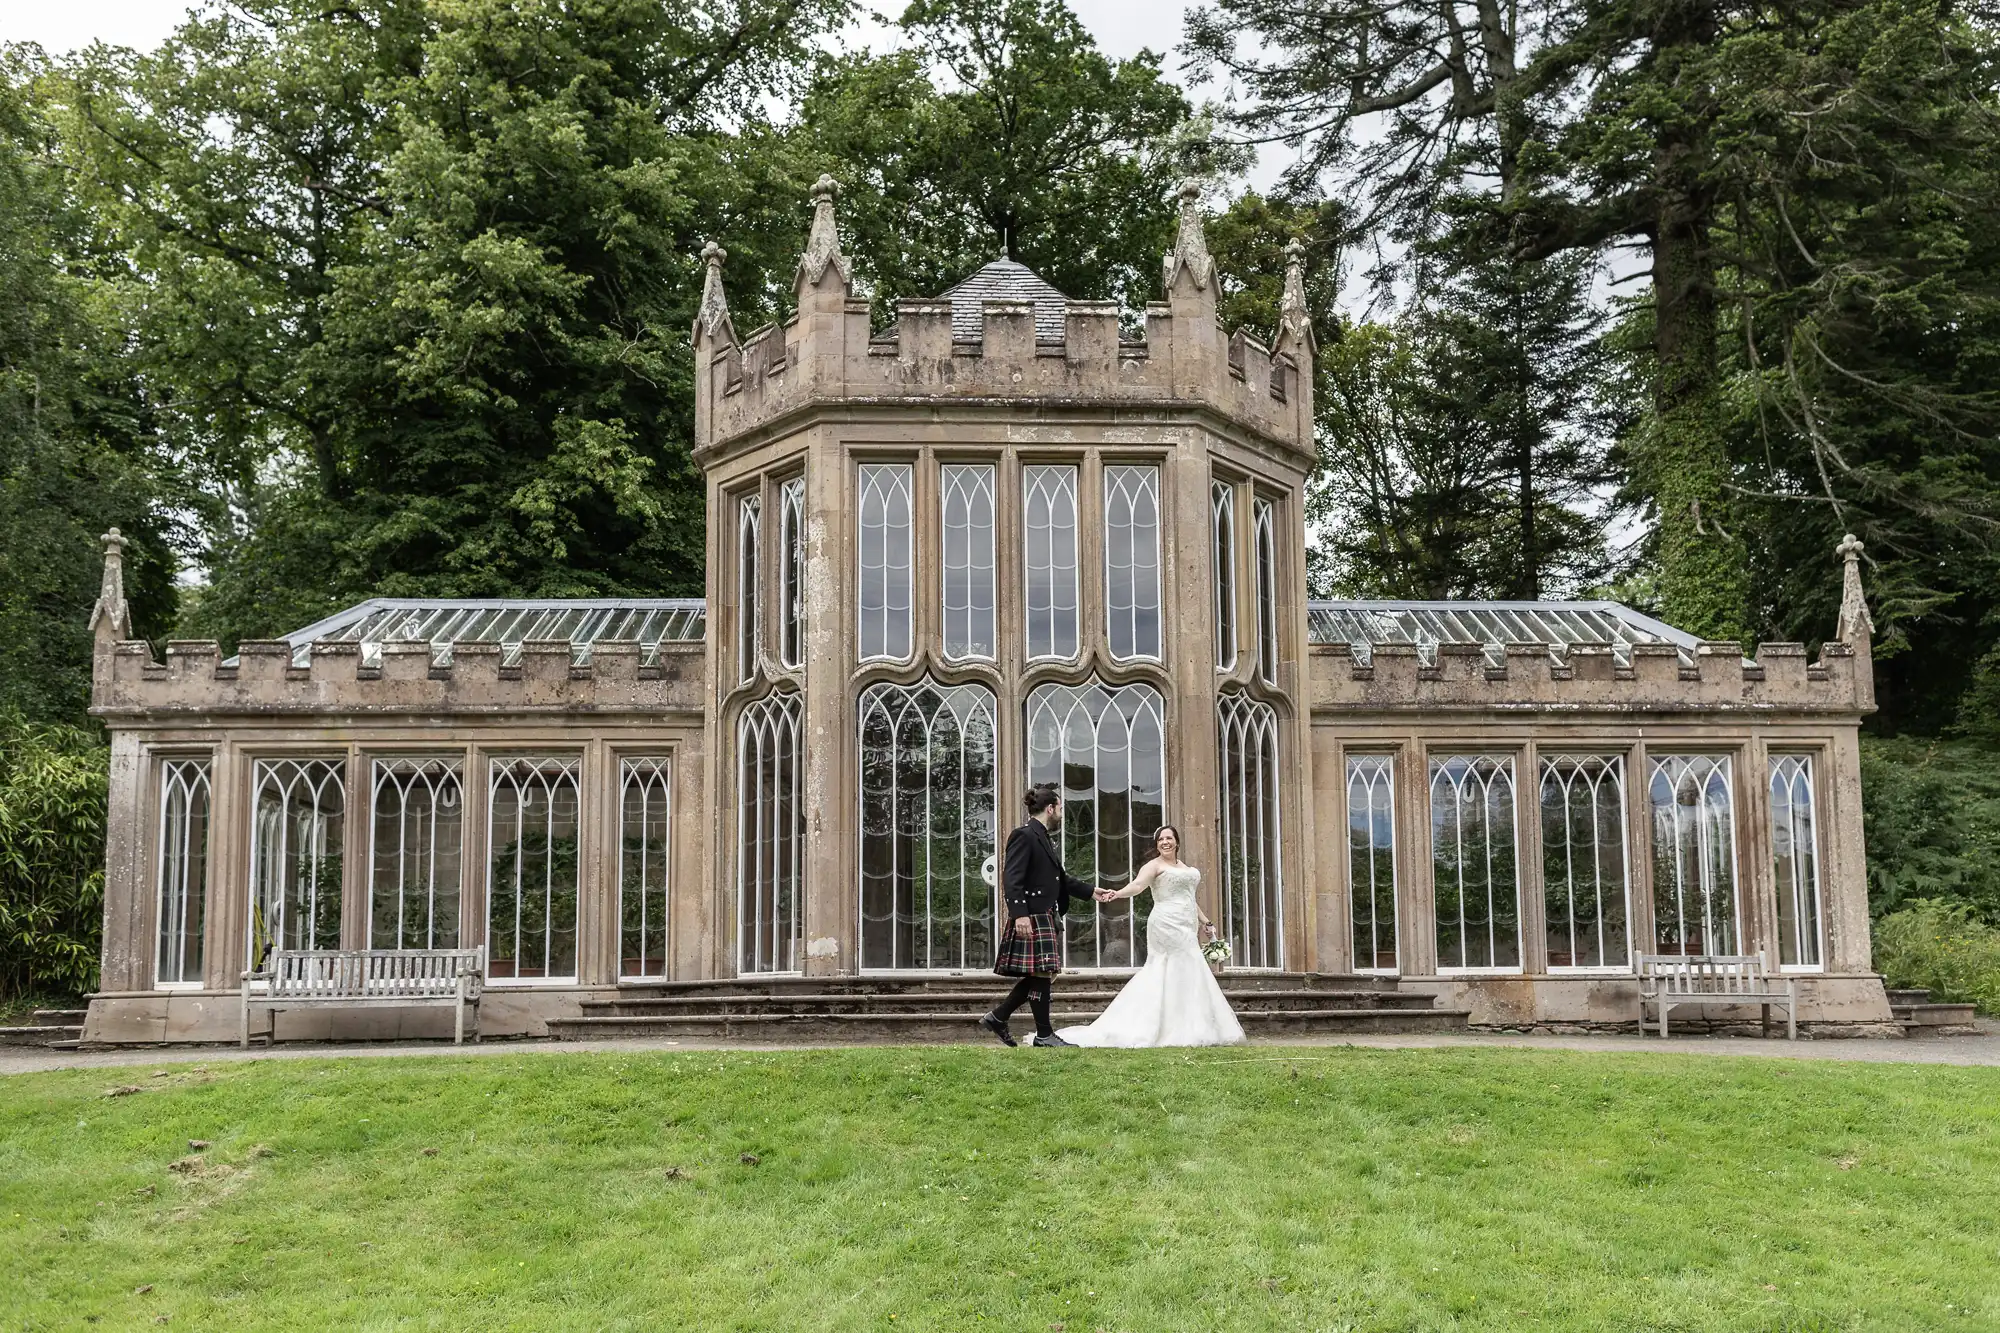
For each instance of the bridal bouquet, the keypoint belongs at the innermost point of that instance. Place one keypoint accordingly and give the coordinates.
(1216, 951)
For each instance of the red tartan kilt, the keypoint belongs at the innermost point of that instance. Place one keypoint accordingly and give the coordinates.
(1040, 955)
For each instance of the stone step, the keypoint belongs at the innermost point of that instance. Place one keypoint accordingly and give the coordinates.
(969, 1002)
(1908, 996)
(961, 1027)
(41, 1034)
(59, 1018)
(983, 982)
(1926, 1020)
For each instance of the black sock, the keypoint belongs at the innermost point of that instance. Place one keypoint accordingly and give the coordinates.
(1022, 989)
(1038, 1000)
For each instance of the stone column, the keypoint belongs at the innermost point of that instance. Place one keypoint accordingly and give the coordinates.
(127, 963)
(831, 945)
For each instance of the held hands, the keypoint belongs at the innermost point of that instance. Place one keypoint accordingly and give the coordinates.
(1104, 895)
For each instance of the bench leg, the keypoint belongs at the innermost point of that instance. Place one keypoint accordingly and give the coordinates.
(458, 1022)
(244, 1043)
(1792, 1011)
(1663, 1016)
(1767, 1021)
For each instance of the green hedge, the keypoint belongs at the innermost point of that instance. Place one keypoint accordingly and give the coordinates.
(52, 802)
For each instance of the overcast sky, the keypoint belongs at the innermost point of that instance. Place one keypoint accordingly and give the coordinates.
(1120, 26)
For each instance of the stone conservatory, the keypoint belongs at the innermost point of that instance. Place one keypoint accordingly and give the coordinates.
(999, 542)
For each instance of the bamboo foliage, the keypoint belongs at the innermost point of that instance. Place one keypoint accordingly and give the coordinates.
(52, 805)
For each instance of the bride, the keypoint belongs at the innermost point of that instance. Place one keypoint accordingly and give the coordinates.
(1173, 1001)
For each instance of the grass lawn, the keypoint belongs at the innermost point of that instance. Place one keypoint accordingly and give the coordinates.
(953, 1188)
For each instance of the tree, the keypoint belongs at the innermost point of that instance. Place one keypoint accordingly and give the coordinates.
(76, 455)
(418, 279)
(1003, 132)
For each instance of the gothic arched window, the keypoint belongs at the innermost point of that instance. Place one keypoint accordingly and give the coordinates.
(1132, 561)
(1105, 748)
(928, 825)
(770, 835)
(1252, 887)
(295, 855)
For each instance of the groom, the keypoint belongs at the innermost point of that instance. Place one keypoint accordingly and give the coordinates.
(1038, 891)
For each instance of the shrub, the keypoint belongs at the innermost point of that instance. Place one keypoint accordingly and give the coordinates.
(52, 805)
(1943, 948)
(1931, 811)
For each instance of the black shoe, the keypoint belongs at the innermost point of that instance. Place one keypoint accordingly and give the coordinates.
(997, 1025)
(1051, 1039)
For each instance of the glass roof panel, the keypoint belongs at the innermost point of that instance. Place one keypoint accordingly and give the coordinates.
(1427, 624)
(443, 622)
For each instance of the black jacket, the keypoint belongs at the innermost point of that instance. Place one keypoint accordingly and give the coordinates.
(1035, 880)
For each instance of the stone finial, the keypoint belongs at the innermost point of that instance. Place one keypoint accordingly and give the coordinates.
(1855, 622)
(111, 618)
(712, 319)
(823, 245)
(1190, 244)
(1294, 321)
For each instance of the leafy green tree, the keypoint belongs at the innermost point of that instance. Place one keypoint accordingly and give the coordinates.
(1002, 131)
(418, 279)
(76, 452)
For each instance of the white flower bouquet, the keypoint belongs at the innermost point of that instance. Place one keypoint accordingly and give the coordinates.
(1216, 951)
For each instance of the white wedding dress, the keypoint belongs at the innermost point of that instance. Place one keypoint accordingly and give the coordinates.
(1173, 1000)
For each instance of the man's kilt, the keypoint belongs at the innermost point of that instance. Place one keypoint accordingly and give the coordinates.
(1039, 955)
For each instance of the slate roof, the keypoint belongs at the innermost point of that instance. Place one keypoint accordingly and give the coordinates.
(1005, 280)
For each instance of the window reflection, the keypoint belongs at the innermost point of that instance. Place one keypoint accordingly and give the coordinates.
(1583, 859)
(928, 824)
(1105, 748)
(1694, 855)
(1795, 852)
(885, 560)
(966, 497)
(749, 589)
(770, 835)
(1048, 527)
(1222, 570)
(791, 592)
(1475, 875)
(532, 869)
(1132, 561)
(1267, 592)
(1252, 901)
(1371, 860)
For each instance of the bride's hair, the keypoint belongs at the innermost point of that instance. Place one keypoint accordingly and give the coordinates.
(1161, 832)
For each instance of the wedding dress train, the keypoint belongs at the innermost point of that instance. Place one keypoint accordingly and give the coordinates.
(1173, 1000)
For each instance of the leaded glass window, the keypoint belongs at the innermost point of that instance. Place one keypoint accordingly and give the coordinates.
(770, 835)
(1222, 571)
(1371, 860)
(965, 492)
(645, 826)
(1584, 874)
(1048, 531)
(1795, 855)
(181, 871)
(1253, 898)
(532, 869)
(295, 855)
(1474, 872)
(749, 586)
(791, 592)
(1694, 855)
(1104, 747)
(928, 825)
(885, 560)
(1132, 561)
(1267, 591)
(413, 864)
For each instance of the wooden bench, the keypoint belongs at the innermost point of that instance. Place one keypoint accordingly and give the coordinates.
(293, 979)
(1668, 979)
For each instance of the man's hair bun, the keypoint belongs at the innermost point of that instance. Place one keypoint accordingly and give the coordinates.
(1040, 798)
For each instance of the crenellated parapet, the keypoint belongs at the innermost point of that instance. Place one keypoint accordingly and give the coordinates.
(828, 352)
(1712, 678)
(344, 678)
